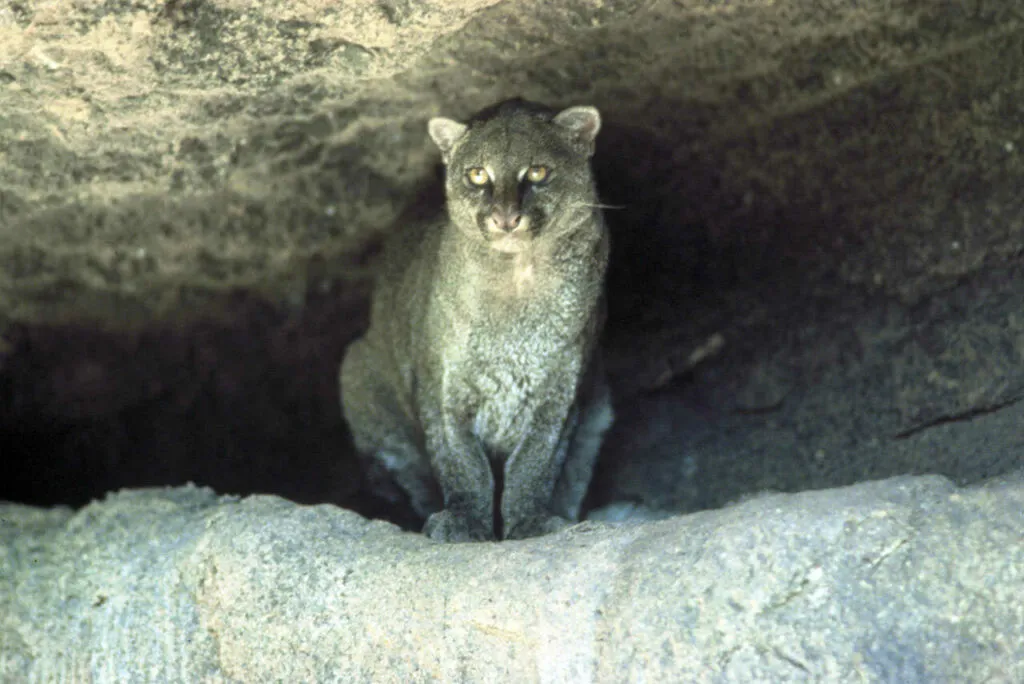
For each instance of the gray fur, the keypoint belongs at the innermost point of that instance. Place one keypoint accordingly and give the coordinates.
(481, 357)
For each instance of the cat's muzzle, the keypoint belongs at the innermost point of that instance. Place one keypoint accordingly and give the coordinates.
(508, 232)
(506, 220)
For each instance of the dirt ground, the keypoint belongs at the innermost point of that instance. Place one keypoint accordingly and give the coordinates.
(818, 263)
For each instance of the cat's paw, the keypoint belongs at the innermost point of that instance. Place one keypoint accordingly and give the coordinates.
(446, 526)
(536, 526)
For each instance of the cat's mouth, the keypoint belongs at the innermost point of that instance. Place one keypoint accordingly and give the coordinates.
(509, 240)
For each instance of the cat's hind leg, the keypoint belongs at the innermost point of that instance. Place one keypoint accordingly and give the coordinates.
(385, 435)
(595, 418)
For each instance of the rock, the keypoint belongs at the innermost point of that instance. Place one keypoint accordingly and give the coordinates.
(816, 280)
(902, 580)
(816, 236)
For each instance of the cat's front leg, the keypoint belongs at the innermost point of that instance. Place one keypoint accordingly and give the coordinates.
(532, 471)
(467, 484)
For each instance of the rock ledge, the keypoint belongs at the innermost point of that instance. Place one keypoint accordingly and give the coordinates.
(852, 584)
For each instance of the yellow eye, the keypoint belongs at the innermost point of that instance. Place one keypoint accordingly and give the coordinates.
(537, 174)
(478, 176)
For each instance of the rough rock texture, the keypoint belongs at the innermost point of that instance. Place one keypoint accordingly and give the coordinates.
(816, 280)
(818, 257)
(836, 586)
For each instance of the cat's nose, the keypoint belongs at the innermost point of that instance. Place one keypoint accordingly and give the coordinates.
(507, 219)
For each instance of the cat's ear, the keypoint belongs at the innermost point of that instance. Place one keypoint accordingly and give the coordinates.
(582, 123)
(445, 133)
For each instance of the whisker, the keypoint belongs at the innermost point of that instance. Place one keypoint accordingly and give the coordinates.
(601, 206)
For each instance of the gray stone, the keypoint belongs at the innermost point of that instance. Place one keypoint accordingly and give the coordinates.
(816, 268)
(902, 580)
(816, 281)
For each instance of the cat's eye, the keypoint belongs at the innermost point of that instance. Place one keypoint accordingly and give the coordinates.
(478, 176)
(537, 174)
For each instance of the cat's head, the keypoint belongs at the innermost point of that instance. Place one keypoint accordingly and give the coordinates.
(518, 171)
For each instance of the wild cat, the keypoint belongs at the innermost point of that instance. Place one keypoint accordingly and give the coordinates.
(478, 388)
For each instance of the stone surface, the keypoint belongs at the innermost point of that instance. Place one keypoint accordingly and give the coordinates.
(191, 195)
(836, 586)
(816, 280)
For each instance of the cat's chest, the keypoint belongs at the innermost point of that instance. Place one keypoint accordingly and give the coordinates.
(504, 391)
(517, 341)
(500, 372)
(513, 339)
(517, 304)
(521, 287)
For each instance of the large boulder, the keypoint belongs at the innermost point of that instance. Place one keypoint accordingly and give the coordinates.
(904, 580)
(816, 255)
(816, 281)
